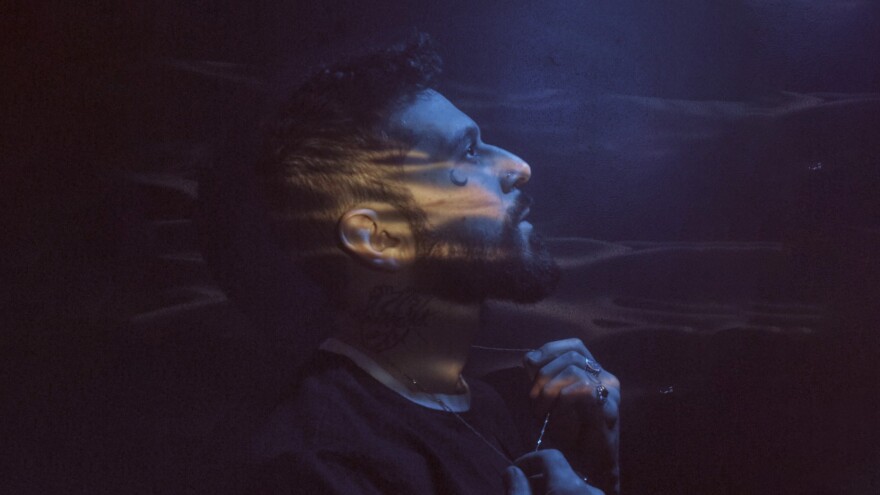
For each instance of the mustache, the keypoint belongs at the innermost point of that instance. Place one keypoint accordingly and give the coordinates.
(517, 211)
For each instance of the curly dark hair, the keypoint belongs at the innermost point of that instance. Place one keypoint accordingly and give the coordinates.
(330, 149)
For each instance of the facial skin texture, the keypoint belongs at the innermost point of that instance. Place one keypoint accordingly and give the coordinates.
(415, 299)
(470, 243)
(476, 243)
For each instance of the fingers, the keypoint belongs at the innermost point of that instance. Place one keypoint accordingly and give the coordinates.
(571, 390)
(565, 379)
(557, 474)
(568, 362)
(585, 393)
(536, 359)
(562, 383)
(548, 388)
(551, 464)
(515, 482)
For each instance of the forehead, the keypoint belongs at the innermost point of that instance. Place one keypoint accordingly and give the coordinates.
(432, 119)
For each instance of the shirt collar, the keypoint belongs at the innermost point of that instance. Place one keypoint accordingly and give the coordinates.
(454, 402)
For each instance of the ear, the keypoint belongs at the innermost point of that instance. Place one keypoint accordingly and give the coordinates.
(378, 241)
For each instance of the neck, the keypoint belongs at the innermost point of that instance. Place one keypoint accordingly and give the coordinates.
(413, 335)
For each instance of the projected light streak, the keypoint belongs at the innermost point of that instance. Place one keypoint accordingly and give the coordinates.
(479, 208)
(783, 104)
(615, 251)
(599, 316)
(447, 209)
(454, 252)
(472, 205)
(541, 99)
(226, 71)
(187, 187)
(424, 179)
(185, 300)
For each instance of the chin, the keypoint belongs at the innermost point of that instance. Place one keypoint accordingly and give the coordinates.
(530, 282)
(526, 277)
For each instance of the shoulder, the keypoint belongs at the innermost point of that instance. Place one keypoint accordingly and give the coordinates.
(329, 403)
(334, 432)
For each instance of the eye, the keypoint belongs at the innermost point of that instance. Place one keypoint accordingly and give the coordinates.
(471, 150)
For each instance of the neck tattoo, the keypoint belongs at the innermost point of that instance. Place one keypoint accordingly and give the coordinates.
(390, 315)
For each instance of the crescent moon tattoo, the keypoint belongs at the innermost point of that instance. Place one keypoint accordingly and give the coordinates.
(455, 180)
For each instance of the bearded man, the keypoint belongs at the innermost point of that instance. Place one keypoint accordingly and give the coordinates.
(385, 193)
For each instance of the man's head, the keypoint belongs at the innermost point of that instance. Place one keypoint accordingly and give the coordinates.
(372, 169)
(477, 243)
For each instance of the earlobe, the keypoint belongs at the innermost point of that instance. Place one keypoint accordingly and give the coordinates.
(362, 235)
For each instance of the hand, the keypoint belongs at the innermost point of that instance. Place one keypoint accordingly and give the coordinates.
(551, 474)
(580, 423)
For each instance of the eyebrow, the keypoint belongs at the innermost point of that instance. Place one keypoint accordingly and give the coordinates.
(469, 133)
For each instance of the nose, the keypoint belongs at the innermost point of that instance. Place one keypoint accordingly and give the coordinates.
(513, 171)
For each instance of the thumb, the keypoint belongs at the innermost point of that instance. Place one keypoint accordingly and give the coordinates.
(515, 482)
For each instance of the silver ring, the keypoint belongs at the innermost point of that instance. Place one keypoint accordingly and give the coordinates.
(602, 394)
(592, 366)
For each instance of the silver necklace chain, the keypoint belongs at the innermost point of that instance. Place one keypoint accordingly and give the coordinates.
(547, 417)
(448, 409)
(520, 350)
(457, 416)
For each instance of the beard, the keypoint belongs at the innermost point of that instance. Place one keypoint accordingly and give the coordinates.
(466, 266)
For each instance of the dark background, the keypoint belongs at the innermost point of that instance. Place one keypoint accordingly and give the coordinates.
(707, 171)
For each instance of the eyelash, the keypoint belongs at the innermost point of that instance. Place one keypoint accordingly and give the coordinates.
(471, 150)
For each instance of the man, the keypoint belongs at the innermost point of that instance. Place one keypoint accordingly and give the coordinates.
(385, 193)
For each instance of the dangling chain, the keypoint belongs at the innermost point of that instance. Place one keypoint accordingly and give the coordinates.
(457, 416)
(543, 429)
(513, 349)
(547, 417)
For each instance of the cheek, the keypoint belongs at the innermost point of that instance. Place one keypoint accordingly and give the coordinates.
(467, 206)
(445, 203)
(480, 198)
(482, 231)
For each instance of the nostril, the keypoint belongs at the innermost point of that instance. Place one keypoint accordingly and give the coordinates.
(524, 173)
(510, 182)
(514, 179)
(514, 171)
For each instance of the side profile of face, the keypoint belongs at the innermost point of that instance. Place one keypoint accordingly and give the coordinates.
(476, 243)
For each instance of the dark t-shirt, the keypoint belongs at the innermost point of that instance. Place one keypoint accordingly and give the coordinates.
(341, 431)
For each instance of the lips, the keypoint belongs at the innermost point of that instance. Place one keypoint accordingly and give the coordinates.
(520, 209)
